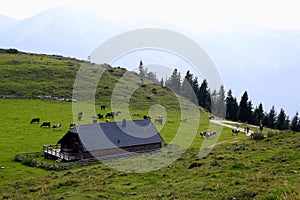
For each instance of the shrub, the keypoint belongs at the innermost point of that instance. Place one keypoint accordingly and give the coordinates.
(195, 164)
(271, 134)
(258, 136)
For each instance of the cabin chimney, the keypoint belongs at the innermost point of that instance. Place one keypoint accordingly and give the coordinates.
(124, 123)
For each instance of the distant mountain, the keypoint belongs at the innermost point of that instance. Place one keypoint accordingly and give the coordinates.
(6, 23)
(65, 31)
(263, 61)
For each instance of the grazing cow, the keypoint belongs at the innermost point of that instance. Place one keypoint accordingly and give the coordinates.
(184, 120)
(35, 120)
(235, 131)
(102, 107)
(110, 114)
(146, 117)
(57, 126)
(100, 116)
(80, 115)
(158, 120)
(154, 91)
(46, 124)
(208, 133)
(72, 124)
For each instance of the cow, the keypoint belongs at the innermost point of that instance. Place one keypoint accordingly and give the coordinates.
(102, 107)
(158, 120)
(46, 124)
(154, 91)
(35, 120)
(184, 120)
(110, 114)
(235, 132)
(208, 133)
(57, 126)
(100, 116)
(146, 117)
(107, 120)
(80, 115)
(72, 124)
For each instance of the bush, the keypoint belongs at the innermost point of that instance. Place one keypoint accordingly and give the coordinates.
(257, 136)
(195, 164)
(271, 134)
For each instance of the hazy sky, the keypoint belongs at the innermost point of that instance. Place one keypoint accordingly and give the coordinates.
(190, 15)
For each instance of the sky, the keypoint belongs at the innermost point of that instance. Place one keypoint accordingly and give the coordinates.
(190, 15)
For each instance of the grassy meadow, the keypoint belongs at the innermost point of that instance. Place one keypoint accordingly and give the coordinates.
(266, 169)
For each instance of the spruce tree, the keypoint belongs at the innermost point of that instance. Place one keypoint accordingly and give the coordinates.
(218, 102)
(294, 123)
(195, 85)
(174, 82)
(203, 96)
(244, 108)
(231, 106)
(221, 102)
(281, 120)
(250, 112)
(186, 89)
(271, 118)
(162, 83)
(258, 115)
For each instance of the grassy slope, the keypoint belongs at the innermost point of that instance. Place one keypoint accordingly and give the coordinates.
(266, 169)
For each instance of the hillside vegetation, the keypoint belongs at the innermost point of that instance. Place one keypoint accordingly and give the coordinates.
(236, 168)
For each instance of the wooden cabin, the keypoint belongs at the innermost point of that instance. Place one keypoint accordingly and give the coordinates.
(104, 139)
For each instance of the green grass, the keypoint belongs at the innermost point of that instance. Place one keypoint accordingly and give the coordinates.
(266, 169)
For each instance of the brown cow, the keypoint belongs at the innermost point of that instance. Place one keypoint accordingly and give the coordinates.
(57, 126)
(158, 120)
(72, 124)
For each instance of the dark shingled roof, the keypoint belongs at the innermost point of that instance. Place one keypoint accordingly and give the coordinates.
(114, 134)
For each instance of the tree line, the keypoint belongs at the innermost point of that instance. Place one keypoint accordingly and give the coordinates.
(226, 105)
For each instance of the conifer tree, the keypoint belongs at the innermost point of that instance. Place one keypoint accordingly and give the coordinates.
(258, 115)
(294, 123)
(243, 113)
(281, 121)
(186, 89)
(174, 82)
(271, 118)
(231, 106)
(203, 96)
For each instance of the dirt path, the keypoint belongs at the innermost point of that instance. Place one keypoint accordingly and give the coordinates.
(233, 126)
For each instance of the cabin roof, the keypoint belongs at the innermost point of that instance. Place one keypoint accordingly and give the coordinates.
(114, 134)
